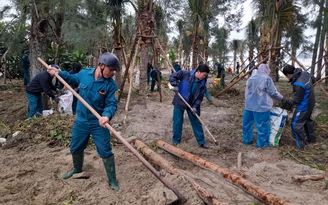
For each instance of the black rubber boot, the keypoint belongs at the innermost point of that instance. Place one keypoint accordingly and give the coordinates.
(77, 163)
(109, 164)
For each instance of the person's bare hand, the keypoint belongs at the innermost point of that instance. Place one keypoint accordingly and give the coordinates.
(103, 121)
(52, 71)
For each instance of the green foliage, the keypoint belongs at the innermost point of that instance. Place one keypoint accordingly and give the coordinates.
(4, 129)
(173, 55)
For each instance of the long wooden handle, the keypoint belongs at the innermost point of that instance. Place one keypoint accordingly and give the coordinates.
(201, 121)
(119, 137)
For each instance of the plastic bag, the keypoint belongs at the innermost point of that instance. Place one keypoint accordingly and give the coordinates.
(65, 103)
(47, 112)
(278, 118)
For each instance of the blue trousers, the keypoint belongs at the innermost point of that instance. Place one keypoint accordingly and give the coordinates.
(80, 137)
(195, 124)
(34, 105)
(148, 78)
(263, 127)
(26, 76)
(152, 86)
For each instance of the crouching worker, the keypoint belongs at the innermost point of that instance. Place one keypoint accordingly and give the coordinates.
(41, 83)
(191, 85)
(259, 93)
(97, 88)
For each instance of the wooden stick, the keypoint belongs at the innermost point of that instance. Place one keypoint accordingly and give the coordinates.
(323, 89)
(235, 82)
(131, 82)
(245, 67)
(165, 55)
(250, 188)
(301, 178)
(299, 63)
(206, 195)
(119, 137)
(201, 121)
(239, 160)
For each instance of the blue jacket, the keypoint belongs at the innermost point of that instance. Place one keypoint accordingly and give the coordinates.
(25, 62)
(99, 94)
(302, 82)
(185, 80)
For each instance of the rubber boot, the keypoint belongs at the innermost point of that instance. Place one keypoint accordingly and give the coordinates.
(109, 164)
(77, 163)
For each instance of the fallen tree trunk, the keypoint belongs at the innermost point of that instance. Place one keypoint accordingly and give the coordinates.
(301, 178)
(250, 188)
(204, 194)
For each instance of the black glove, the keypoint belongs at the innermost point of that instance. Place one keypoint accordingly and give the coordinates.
(286, 104)
(176, 89)
(61, 92)
(56, 99)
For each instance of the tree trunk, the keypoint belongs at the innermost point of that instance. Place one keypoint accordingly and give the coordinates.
(206, 195)
(38, 42)
(118, 77)
(143, 75)
(326, 63)
(195, 48)
(317, 37)
(237, 180)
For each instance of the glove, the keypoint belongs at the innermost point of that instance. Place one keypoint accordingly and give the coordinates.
(286, 104)
(194, 111)
(176, 89)
(61, 92)
(56, 99)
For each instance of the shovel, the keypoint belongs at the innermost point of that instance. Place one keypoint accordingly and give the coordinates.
(200, 119)
(181, 198)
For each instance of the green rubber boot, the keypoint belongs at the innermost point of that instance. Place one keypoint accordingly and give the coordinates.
(77, 163)
(109, 164)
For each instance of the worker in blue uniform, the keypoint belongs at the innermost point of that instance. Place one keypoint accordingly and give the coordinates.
(98, 89)
(191, 85)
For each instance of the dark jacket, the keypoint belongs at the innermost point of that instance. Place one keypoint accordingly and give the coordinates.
(25, 62)
(220, 70)
(42, 82)
(303, 90)
(177, 67)
(153, 74)
(185, 79)
(149, 67)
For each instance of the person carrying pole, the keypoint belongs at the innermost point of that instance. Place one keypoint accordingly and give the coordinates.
(191, 85)
(98, 89)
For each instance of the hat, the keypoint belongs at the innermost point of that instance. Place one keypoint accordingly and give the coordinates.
(110, 60)
(176, 61)
(264, 68)
(288, 69)
(54, 66)
(26, 51)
